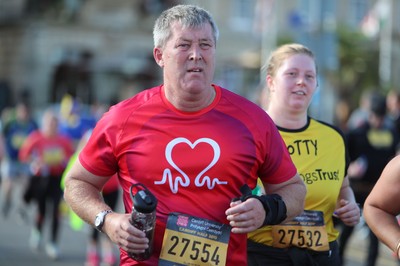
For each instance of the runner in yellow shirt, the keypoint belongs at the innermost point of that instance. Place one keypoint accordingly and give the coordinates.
(319, 153)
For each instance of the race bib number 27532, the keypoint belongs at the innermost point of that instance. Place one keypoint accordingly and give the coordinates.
(305, 231)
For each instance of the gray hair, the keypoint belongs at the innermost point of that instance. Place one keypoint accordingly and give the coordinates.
(189, 16)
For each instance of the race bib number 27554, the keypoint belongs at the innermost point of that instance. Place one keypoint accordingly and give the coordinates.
(194, 241)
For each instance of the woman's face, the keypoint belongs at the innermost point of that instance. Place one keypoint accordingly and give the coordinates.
(294, 83)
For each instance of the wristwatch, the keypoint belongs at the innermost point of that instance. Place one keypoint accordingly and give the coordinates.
(99, 221)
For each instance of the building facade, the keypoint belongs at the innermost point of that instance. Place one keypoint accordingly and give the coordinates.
(108, 44)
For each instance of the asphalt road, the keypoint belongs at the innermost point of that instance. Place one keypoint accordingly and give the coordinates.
(15, 249)
(15, 233)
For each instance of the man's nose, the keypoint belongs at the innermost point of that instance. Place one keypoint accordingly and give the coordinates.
(196, 54)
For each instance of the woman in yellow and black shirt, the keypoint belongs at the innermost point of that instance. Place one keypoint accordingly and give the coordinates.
(319, 152)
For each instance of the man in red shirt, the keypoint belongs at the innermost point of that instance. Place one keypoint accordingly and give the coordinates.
(194, 145)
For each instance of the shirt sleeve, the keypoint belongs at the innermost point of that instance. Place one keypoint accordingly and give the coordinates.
(278, 166)
(98, 154)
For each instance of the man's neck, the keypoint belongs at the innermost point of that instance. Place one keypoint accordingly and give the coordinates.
(188, 102)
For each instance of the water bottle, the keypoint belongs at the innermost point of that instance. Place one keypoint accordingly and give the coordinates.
(143, 217)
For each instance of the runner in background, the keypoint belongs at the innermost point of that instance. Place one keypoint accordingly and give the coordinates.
(18, 124)
(47, 152)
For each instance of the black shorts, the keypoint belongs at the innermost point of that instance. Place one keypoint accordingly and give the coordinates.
(259, 254)
(37, 187)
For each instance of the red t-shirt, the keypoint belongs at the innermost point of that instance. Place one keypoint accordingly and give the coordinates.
(194, 163)
(111, 185)
(53, 151)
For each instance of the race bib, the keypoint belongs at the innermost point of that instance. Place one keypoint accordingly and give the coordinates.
(305, 231)
(190, 240)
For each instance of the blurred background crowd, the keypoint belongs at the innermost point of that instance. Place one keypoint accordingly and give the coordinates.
(101, 51)
(78, 57)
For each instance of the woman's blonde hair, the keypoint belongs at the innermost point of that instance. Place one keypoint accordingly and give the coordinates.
(279, 55)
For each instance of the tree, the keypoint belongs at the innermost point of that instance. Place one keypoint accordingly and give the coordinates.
(358, 65)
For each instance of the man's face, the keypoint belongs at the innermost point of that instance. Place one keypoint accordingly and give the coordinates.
(188, 58)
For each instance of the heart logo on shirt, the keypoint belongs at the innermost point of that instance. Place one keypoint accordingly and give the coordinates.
(183, 179)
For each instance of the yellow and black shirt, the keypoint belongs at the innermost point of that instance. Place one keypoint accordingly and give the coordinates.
(319, 152)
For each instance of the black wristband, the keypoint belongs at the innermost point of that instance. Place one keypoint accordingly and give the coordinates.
(274, 206)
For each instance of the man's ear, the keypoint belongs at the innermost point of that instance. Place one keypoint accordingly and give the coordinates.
(157, 53)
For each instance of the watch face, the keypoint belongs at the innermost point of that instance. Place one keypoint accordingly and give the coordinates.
(97, 222)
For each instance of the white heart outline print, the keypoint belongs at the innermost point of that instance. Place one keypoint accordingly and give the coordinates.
(184, 180)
